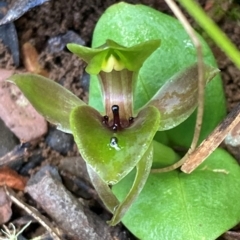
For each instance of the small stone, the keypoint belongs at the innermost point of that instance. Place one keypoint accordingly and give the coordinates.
(17, 113)
(7, 139)
(59, 141)
(58, 43)
(232, 142)
(85, 81)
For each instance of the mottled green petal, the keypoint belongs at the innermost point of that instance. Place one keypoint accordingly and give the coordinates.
(178, 97)
(49, 98)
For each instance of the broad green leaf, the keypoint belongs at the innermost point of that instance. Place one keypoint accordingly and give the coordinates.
(178, 97)
(114, 54)
(112, 155)
(174, 205)
(50, 99)
(176, 53)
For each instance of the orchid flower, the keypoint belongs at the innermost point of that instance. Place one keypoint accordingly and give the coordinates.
(117, 140)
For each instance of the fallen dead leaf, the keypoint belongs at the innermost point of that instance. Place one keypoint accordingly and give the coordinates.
(12, 179)
(30, 60)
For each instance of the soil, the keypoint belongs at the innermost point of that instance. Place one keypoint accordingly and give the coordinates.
(55, 18)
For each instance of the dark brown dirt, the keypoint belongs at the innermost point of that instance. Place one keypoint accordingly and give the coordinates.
(57, 17)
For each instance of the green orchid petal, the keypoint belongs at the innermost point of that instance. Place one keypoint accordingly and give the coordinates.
(114, 56)
(103, 190)
(109, 199)
(143, 170)
(112, 160)
(178, 97)
(49, 98)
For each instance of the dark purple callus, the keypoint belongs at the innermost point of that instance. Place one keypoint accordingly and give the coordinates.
(116, 119)
(116, 122)
(131, 119)
(105, 120)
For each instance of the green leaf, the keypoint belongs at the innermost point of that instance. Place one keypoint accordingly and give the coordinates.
(174, 205)
(176, 53)
(50, 99)
(114, 54)
(112, 155)
(178, 97)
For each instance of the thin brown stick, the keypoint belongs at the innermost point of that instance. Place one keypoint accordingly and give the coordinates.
(178, 13)
(212, 141)
(31, 211)
(15, 155)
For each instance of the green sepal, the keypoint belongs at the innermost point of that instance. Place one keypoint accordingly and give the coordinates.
(112, 162)
(130, 58)
(178, 97)
(49, 98)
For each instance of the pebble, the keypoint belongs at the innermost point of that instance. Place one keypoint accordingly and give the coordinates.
(58, 43)
(84, 81)
(232, 142)
(7, 139)
(33, 161)
(17, 113)
(59, 141)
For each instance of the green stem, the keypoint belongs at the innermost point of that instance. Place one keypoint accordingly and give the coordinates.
(218, 36)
